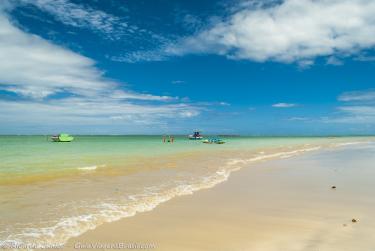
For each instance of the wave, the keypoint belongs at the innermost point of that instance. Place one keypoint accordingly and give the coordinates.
(349, 143)
(67, 228)
(90, 168)
(286, 154)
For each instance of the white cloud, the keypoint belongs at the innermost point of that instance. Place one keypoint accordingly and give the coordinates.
(305, 63)
(118, 94)
(35, 69)
(107, 25)
(359, 108)
(365, 58)
(283, 105)
(90, 110)
(139, 56)
(32, 66)
(80, 16)
(368, 95)
(288, 31)
(354, 115)
(334, 61)
(178, 82)
(224, 104)
(188, 114)
(298, 119)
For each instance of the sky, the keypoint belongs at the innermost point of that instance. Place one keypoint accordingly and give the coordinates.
(252, 67)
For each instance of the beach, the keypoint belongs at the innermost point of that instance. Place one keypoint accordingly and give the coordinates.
(230, 125)
(283, 204)
(136, 192)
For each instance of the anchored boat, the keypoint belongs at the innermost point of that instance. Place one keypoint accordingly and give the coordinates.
(196, 136)
(213, 141)
(62, 137)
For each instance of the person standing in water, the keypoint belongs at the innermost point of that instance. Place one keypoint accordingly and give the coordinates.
(170, 139)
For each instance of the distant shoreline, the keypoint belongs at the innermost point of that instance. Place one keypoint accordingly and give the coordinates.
(207, 135)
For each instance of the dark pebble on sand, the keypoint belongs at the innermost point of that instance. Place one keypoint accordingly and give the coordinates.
(354, 220)
(333, 187)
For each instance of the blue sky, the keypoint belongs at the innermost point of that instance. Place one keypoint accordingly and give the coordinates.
(292, 67)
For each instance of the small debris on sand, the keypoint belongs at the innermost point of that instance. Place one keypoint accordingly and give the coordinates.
(333, 187)
(344, 225)
(354, 220)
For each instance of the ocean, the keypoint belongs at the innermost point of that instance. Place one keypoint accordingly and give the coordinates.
(50, 192)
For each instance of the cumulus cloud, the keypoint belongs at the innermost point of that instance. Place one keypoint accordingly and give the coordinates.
(283, 105)
(31, 66)
(288, 31)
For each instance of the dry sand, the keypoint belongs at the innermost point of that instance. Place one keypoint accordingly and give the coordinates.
(278, 205)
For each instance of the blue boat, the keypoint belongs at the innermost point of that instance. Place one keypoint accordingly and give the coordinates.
(213, 141)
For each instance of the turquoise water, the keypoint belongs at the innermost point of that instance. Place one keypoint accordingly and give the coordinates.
(22, 155)
(52, 191)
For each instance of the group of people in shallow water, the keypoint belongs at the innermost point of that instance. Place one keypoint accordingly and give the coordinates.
(169, 139)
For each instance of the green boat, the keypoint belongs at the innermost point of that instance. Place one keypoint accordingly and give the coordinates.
(62, 137)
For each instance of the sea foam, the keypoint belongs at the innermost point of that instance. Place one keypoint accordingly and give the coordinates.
(90, 168)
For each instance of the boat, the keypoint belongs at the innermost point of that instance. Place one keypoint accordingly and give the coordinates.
(196, 136)
(62, 137)
(213, 141)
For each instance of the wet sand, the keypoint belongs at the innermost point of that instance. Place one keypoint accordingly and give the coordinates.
(285, 204)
